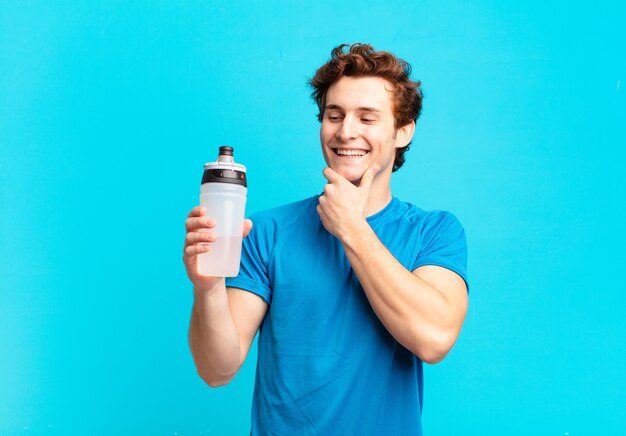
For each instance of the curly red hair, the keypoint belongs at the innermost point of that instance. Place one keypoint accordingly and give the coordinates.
(363, 60)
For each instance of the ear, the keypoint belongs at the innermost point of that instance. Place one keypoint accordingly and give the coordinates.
(404, 135)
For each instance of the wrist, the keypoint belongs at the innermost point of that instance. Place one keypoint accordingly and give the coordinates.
(209, 288)
(353, 232)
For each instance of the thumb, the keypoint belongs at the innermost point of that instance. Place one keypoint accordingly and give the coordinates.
(247, 226)
(368, 177)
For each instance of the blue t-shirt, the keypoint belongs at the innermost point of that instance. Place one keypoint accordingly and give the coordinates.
(326, 364)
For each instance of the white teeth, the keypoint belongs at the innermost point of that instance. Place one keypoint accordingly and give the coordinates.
(342, 152)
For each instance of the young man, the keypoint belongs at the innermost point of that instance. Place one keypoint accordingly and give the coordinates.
(352, 289)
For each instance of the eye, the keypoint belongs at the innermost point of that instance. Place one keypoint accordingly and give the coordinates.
(333, 118)
(368, 120)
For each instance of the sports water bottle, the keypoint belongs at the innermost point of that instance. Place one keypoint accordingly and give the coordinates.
(223, 194)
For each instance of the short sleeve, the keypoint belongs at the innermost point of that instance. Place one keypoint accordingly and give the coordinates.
(443, 244)
(255, 255)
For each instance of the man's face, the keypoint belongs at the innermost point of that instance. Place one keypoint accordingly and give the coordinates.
(358, 128)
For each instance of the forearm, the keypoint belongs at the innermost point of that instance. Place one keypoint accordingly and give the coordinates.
(213, 337)
(415, 313)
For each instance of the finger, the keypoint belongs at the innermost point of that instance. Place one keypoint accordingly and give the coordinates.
(330, 175)
(327, 190)
(197, 211)
(199, 237)
(321, 213)
(247, 226)
(194, 250)
(192, 224)
(321, 207)
(368, 177)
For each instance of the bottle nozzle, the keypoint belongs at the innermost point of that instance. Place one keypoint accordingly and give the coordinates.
(225, 170)
(226, 154)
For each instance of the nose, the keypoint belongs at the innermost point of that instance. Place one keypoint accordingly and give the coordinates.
(348, 129)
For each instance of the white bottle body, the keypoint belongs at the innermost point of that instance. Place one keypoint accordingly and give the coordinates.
(226, 204)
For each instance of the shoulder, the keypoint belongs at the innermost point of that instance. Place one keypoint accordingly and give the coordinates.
(286, 215)
(440, 239)
(271, 226)
(428, 219)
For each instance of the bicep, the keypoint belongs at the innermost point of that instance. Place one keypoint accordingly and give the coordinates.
(248, 311)
(450, 285)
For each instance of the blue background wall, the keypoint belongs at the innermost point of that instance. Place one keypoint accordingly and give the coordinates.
(108, 109)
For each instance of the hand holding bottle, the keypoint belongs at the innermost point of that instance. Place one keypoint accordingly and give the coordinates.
(199, 239)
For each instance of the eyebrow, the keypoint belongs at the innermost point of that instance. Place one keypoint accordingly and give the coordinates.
(362, 108)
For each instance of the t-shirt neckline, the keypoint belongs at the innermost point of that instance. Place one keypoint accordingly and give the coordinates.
(384, 214)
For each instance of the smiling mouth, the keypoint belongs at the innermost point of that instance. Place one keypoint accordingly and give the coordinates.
(345, 152)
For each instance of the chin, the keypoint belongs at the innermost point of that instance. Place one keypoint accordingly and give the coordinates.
(351, 174)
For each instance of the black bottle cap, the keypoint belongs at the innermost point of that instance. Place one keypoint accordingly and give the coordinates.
(224, 175)
(225, 170)
(226, 151)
